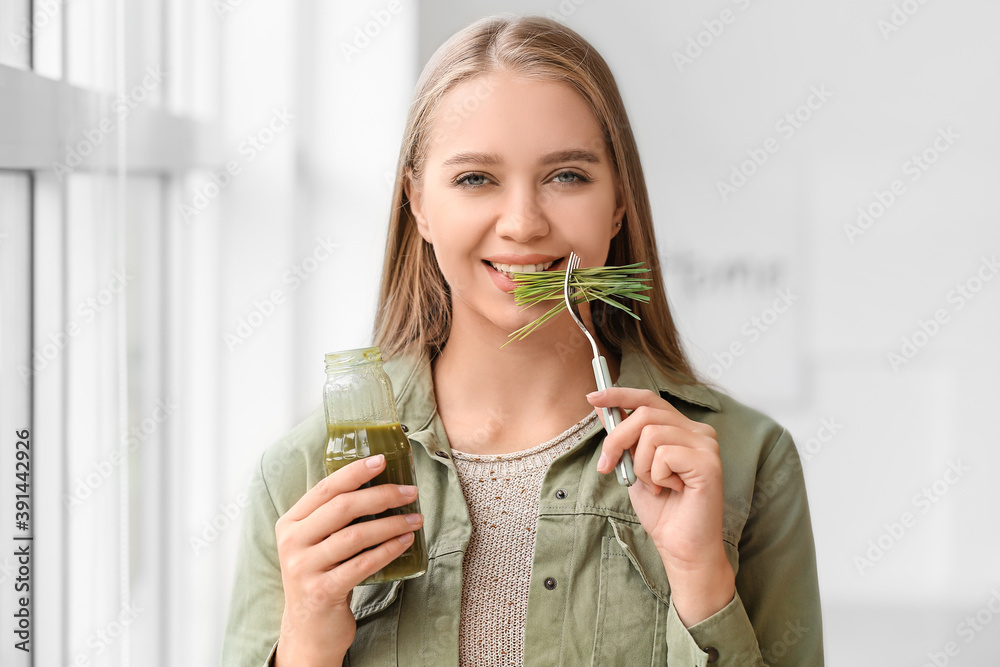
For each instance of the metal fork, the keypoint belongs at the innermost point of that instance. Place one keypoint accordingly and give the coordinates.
(612, 416)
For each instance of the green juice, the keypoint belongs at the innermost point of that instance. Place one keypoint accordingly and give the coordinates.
(349, 442)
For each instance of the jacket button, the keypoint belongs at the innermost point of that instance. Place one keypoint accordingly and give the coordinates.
(550, 583)
(713, 654)
(443, 455)
(403, 426)
(560, 494)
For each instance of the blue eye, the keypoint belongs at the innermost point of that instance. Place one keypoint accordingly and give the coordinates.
(569, 177)
(471, 180)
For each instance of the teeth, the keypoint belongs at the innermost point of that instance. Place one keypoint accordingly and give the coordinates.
(521, 268)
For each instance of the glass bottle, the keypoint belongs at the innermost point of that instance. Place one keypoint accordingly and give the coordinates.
(361, 421)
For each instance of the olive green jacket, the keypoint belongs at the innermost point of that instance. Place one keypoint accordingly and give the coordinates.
(611, 601)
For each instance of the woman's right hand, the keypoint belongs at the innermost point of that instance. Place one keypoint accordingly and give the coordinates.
(322, 558)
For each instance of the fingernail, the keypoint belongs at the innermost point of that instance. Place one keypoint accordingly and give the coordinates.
(405, 538)
(596, 394)
(374, 461)
(408, 491)
(414, 519)
(603, 462)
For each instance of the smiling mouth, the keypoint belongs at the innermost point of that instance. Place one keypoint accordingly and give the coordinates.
(510, 269)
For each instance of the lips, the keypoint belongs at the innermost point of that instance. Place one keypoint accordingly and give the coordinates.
(502, 268)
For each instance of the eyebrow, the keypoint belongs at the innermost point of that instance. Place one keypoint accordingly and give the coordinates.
(489, 159)
(493, 159)
(573, 155)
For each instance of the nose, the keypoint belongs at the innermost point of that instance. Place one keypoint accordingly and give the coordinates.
(522, 216)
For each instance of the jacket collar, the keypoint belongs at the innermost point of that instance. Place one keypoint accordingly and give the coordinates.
(637, 370)
(413, 384)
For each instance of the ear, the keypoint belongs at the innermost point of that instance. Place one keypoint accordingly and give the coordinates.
(415, 195)
(619, 215)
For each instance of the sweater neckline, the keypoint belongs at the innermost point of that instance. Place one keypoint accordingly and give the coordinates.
(532, 453)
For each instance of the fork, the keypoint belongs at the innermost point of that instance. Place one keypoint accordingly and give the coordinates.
(612, 416)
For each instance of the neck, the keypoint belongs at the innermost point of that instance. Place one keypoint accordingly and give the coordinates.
(495, 400)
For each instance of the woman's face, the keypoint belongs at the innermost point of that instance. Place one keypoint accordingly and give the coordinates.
(516, 175)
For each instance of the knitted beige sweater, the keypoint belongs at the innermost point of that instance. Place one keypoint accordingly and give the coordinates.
(502, 492)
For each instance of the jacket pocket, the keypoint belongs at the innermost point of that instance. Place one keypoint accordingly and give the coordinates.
(632, 600)
(373, 598)
(376, 610)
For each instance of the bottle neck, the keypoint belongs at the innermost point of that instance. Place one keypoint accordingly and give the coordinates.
(347, 360)
(357, 389)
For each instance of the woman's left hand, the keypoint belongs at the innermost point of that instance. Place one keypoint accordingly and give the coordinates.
(678, 496)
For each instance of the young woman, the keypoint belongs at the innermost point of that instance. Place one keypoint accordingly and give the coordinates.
(518, 150)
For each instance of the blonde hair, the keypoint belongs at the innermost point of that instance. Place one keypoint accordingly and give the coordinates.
(414, 305)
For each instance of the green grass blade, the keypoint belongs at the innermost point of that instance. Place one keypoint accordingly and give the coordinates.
(596, 283)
